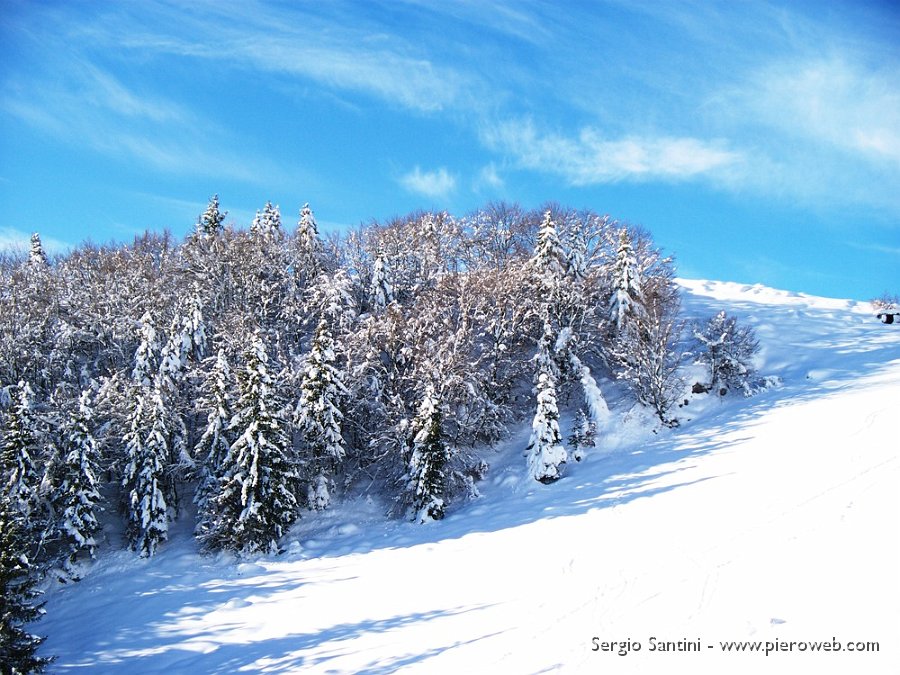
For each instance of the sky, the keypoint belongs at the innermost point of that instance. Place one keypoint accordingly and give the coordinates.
(758, 142)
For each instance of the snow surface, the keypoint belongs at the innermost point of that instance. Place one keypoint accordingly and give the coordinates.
(768, 518)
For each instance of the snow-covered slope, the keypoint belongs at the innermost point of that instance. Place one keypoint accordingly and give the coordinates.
(773, 518)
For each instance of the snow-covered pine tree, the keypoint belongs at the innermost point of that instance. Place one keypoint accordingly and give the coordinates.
(583, 435)
(545, 452)
(427, 245)
(576, 255)
(318, 416)
(627, 296)
(193, 330)
(144, 476)
(332, 298)
(19, 455)
(172, 403)
(267, 223)
(146, 357)
(309, 246)
(550, 259)
(556, 299)
(18, 595)
(211, 221)
(173, 357)
(213, 446)
(187, 340)
(727, 350)
(36, 256)
(78, 496)
(381, 292)
(597, 408)
(428, 459)
(256, 502)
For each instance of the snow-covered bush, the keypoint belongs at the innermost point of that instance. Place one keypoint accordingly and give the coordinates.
(727, 350)
(583, 436)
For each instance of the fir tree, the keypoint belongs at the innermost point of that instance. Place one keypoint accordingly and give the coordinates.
(426, 474)
(211, 222)
(19, 454)
(212, 448)
(545, 452)
(173, 357)
(309, 245)
(256, 502)
(428, 245)
(549, 260)
(267, 223)
(576, 263)
(144, 477)
(318, 415)
(79, 496)
(331, 297)
(627, 296)
(186, 345)
(381, 293)
(583, 435)
(192, 335)
(36, 257)
(597, 410)
(553, 288)
(187, 341)
(146, 357)
(18, 595)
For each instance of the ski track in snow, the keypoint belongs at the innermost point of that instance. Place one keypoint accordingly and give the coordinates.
(769, 518)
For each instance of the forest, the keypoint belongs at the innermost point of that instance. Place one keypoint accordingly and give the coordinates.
(247, 378)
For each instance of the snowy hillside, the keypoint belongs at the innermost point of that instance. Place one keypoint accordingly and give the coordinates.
(770, 519)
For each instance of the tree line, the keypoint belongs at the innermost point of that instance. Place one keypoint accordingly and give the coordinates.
(244, 377)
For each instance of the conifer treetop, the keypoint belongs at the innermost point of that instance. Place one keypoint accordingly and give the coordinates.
(211, 221)
(36, 256)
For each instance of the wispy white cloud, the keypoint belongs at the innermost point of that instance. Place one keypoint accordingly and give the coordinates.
(90, 108)
(396, 79)
(832, 102)
(436, 184)
(346, 53)
(820, 132)
(877, 248)
(589, 158)
(102, 90)
(488, 177)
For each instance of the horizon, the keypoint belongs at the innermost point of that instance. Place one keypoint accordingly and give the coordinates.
(757, 144)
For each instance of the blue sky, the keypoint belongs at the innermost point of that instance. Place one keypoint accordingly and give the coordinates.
(758, 142)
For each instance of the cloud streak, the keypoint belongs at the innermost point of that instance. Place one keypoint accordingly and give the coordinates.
(589, 158)
(438, 184)
(830, 102)
(348, 54)
(90, 108)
